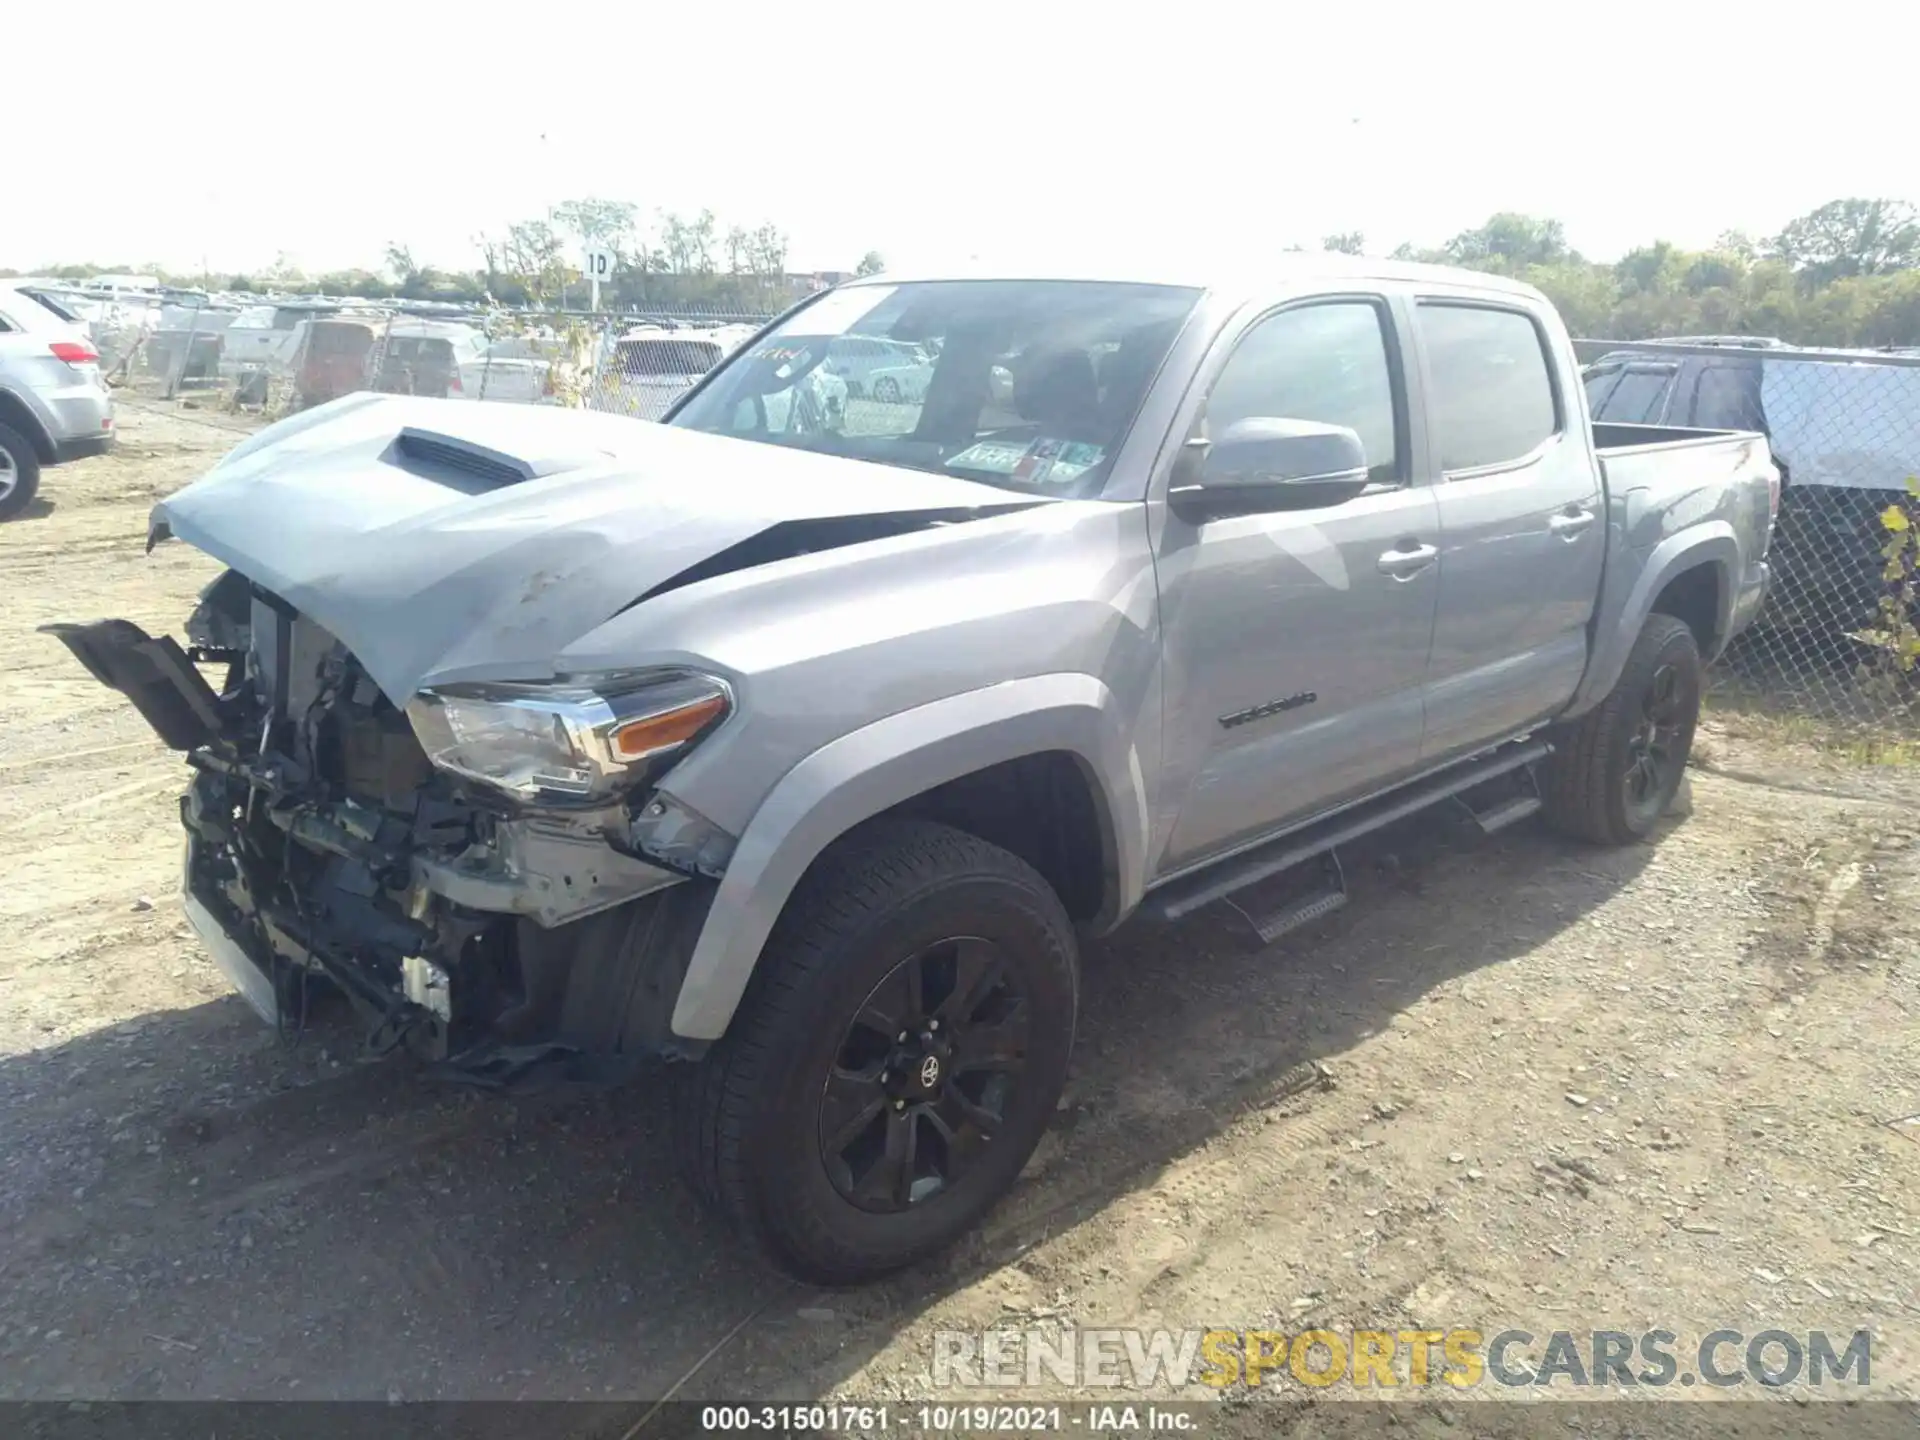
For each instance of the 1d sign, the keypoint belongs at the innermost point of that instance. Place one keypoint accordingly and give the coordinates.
(596, 262)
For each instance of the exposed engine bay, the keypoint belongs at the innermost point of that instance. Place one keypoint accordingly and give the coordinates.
(504, 937)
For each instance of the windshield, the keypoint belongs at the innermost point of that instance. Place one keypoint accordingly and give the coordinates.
(1029, 384)
(414, 350)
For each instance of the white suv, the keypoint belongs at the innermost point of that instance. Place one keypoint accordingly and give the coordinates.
(878, 369)
(54, 406)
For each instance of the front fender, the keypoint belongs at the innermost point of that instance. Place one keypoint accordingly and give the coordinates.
(876, 767)
(1639, 579)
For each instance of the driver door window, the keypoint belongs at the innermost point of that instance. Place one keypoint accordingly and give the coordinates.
(1330, 363)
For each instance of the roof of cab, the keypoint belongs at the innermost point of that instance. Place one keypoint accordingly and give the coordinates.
(1286, 269)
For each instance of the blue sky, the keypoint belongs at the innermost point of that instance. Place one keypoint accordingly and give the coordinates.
(934, 134)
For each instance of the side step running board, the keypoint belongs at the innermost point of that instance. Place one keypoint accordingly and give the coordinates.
(1513, 809)
(1182, 897)
(1304, 910)
(1508, 812)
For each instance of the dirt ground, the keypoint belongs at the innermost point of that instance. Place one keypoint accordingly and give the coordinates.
(1517, 1084)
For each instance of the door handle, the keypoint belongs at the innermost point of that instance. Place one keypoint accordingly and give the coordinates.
(1408, 560)
(1570, 524)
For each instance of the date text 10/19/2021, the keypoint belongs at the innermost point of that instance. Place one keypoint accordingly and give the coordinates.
(934, 1419)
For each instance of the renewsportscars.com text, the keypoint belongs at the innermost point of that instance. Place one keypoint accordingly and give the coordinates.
(1171, 1360)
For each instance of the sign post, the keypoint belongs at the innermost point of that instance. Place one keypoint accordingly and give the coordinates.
(598, 263)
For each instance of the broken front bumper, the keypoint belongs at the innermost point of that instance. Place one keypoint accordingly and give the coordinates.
(474, 931)
(255, 985)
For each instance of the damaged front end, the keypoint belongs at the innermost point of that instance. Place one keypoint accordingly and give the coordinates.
(487, 872)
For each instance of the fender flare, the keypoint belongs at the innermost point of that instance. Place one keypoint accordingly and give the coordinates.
(1712, 543)
(15, 407)
(871, 769)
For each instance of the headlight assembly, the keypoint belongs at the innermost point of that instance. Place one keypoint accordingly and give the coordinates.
(573, 742)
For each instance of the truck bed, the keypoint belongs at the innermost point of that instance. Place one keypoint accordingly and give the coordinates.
(1668, 459)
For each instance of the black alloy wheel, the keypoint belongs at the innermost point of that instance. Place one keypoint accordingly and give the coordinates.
(901, 1048)
(924, 1075)
(1656, 751)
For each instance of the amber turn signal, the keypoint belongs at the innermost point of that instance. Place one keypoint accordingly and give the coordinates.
(648, 735)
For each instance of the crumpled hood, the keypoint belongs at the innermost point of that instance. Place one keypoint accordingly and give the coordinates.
(402, 526)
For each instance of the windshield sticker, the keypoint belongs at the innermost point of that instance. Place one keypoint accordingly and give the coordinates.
(995, 457)
(1038, 463)
(777, 352)
(1042, 462)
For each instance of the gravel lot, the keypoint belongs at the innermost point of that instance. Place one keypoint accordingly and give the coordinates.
(1517, 1084)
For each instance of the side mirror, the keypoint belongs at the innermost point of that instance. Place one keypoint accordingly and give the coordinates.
(1262, 465)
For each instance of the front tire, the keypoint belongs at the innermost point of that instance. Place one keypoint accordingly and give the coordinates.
(898, 1055)
(1615, 770)
(19, 472)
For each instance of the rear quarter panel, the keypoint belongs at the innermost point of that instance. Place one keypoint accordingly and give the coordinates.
(1676, 500)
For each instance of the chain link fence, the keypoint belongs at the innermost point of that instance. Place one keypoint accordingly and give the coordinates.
(1836, 638)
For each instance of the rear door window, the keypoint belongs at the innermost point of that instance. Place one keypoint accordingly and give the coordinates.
(1727, 397)
(1599, 384)
(1490, 391)
(1639, 399)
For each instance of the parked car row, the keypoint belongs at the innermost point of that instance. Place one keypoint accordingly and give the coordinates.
(343, 353)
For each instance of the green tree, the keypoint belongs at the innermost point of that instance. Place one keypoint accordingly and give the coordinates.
(871, 263)
(594, 221)
(1347, 242)
(400, 261)
(1716, 269)
(1845, 238)
(1737, 243)
(1509, 240)
(767, 251)
(1649, 269)
(687, 246)
(532, 254)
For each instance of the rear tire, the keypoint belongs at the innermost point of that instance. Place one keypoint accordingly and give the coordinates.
(786, 1122)
(19, 472)
(1615, 770)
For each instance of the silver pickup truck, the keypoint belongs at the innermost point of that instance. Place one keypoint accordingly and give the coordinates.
(805, 745)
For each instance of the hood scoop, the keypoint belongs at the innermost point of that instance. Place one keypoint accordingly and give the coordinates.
(454, 460)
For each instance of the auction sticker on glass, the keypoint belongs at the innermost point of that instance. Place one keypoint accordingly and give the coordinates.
(1036, 462)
